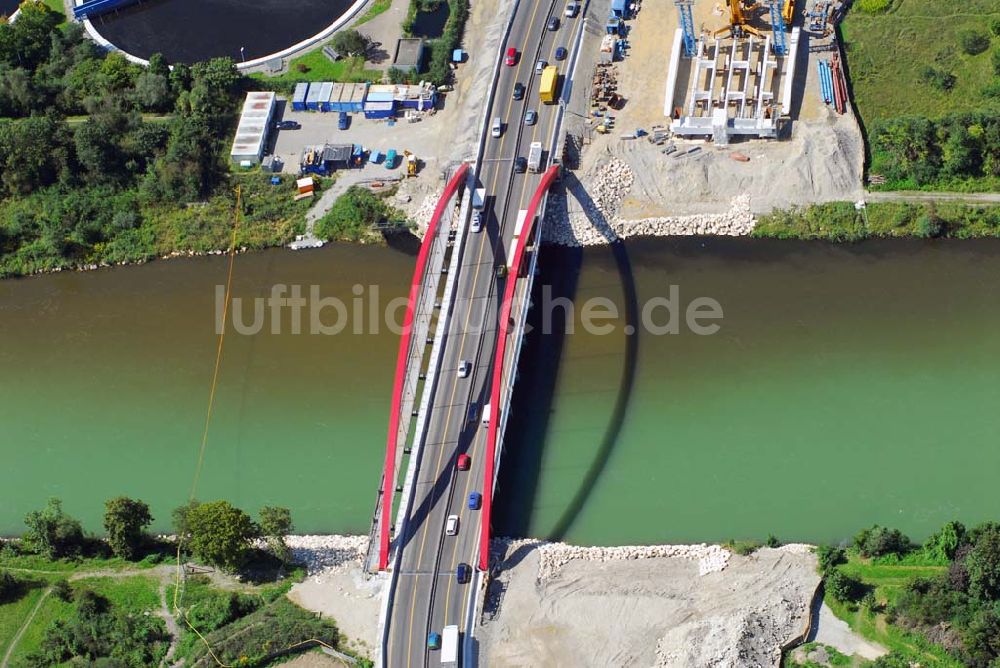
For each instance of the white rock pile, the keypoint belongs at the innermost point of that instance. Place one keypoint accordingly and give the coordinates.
(553, 556)
(424, 212)
(325, 554)
(597, 223)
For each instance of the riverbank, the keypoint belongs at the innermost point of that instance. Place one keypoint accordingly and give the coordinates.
(591, 216)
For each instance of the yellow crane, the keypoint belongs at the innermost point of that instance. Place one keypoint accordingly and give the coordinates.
(739, 20)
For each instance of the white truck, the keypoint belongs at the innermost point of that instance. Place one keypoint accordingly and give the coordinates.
(535, 157)
(449, 645)
(479, 199)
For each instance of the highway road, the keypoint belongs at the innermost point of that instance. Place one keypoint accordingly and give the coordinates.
(428, 597)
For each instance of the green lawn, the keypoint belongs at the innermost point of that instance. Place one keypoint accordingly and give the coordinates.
(52, 609)
(320, 68)
(137, 592)
(13, 614)
(887, 52)
(887, 581)
(374, 10)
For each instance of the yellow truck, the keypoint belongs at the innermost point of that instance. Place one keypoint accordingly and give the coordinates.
(550, 82)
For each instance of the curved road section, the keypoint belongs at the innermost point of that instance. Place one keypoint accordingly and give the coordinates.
(428, 595)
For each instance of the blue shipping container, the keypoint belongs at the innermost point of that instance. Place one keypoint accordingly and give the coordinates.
(312, 99)
(299, 97)
(325, 89)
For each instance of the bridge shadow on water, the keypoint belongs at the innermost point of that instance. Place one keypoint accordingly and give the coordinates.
(534, 396)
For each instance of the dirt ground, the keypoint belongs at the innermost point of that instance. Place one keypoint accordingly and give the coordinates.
(651, 612)
(350, 598)
(821, 161)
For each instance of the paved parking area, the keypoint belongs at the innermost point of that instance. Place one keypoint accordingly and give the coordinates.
(420, 137)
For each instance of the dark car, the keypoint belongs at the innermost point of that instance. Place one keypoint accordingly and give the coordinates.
(518, 93)
(343, 120)
(554, 23)
(462, 573)
(501, 271)
(287, 125)
(520, 165)
(561, 53)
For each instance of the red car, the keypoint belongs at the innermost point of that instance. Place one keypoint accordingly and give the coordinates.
(511, 56)
(464, 462)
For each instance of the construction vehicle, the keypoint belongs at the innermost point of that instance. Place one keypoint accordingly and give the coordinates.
(740, 14)
(411, 163)
(550, 81)
(535, 157)
(788, 12)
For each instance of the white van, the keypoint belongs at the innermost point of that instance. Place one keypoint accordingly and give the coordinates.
(497, 127)
(451, 526)
(486, 415)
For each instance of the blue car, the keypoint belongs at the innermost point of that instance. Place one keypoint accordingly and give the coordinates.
(343, 120)
(475, 500)
(433, 640)
(462, 573)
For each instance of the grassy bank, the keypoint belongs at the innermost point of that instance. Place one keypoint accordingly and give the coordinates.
(270, 217)
(841, 221)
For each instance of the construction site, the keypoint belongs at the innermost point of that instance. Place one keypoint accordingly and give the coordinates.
(699, 106)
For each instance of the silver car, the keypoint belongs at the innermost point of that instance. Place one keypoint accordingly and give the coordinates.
(477, 221)
(531, 117)
(464, 368)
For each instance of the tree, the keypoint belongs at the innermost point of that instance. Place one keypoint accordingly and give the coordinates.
(33, 153)
(52, 532)
(983, 564)
(982, 639)
(275, 524)
(125, 520)
(221, 534)
(350, 42)
(879, 541)
(180, 519)
(152, 91)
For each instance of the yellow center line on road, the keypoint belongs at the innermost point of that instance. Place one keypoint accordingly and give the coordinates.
(451, 402)
(496, 412)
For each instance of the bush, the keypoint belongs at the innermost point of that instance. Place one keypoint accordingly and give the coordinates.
(939, 79)
(995, 58)
(973, 42)
(995, 27)
(10, 587)
(879, 541)
(62, 590)
(943, 544)
(772, 541)
(830, 557)
(843, 587)
(744, 547)
(353, 215)
(983, 565)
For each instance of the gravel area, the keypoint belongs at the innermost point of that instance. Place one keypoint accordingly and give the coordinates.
(671, 606)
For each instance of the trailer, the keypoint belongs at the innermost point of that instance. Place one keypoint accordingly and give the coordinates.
(449, 645)
(535, 157)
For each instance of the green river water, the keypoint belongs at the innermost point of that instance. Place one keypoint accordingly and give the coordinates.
(847, 385)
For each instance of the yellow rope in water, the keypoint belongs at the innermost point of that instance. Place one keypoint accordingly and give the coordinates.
(208, 416)
(204, 443)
